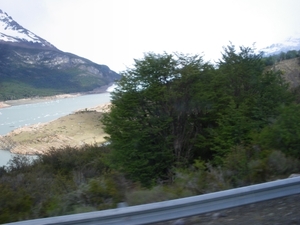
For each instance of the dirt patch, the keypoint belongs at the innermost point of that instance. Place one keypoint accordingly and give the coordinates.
(80, 128)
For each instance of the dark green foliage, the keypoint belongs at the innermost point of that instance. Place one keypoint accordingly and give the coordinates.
(292, 54)
(64, 161)
(159, 111)
(15, 203)
(45, 82)
(269, 61)
(246, 165)
(250, 98)
(284, 133)
(236, 165)
(171, 109)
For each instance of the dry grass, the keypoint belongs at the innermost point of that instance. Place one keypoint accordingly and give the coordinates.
(291, 71)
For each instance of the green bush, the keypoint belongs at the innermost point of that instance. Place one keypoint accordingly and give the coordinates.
(273, 165)
(58, 183)
(200, 178)
(284, 133)
(15, 204)
(250, 165)
(89, 160)
(236, 166)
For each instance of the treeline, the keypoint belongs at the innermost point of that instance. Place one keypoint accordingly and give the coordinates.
(46, 82)
(273, 59)
(179, 126)
(172, 109)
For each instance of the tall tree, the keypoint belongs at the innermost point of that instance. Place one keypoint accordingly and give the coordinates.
(171, 109)
(158, 114)
(252, 95)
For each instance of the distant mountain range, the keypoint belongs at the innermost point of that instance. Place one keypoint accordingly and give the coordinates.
(30, 66)
(291, 43)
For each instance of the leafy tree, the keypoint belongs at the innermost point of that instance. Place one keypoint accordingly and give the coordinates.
(240, 73)
(159, 112)
(292, 54)
(282, 56)
(269, 61)
(252, 97)
(172, 109)
(284, 133)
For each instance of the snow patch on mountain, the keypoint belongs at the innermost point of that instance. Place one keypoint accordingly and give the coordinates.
(11, 31)
(291, 43)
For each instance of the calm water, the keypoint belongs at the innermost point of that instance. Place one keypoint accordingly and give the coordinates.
(23, 115)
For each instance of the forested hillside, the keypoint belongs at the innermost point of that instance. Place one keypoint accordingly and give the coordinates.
(29, 72)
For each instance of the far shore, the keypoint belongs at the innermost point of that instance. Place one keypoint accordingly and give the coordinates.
(9, 103)
(36, 100)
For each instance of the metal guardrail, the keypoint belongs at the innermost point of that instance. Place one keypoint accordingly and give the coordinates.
(178, 208)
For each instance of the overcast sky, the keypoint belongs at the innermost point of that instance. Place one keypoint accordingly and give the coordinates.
(114, 32)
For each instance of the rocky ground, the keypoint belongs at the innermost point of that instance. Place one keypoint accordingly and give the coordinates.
(81, 127)
(281, 211)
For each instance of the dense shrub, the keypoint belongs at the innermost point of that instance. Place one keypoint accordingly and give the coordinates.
(15, 204)
(63, 181)
(284, 133)
(88, 160)
(250, 165)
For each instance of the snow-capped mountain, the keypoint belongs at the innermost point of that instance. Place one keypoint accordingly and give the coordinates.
(30, 66)
(291, 43)
(11, 31)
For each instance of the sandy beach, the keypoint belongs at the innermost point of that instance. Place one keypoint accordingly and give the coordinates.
(76, 129)
(3, 105)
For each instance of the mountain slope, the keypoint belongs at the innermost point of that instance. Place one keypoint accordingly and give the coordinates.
(291, 71)
(12, 32)
(30, 66)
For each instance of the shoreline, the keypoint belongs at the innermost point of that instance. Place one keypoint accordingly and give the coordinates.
(39, 138)
(36, 138)
(23, 101)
